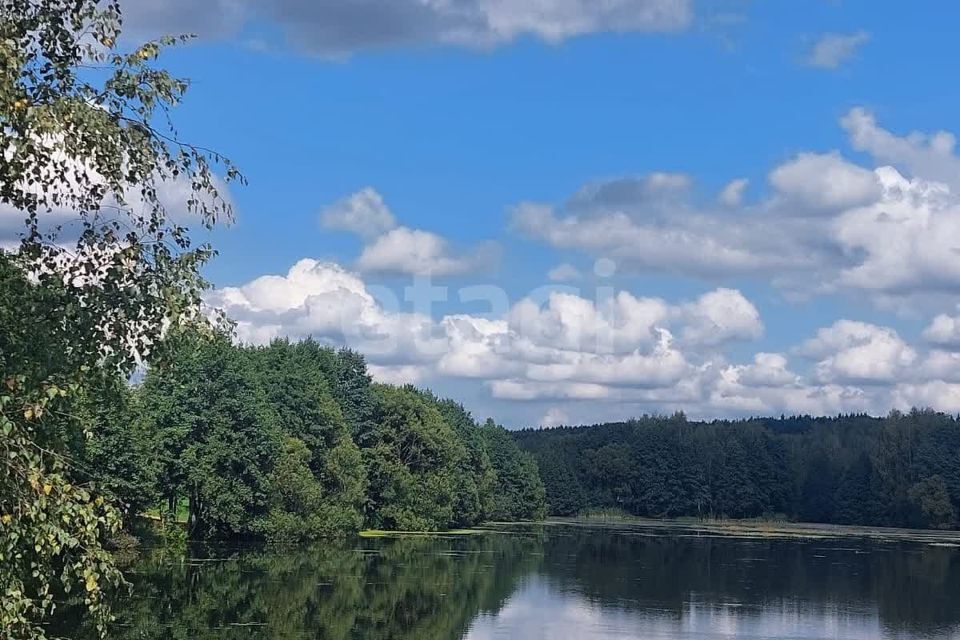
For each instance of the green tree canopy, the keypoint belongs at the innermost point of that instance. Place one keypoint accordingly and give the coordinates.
(103, 268)
(412, 462)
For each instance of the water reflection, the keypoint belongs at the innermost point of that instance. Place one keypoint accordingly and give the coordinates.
(552, 582)
(684, 586)
(538, 612)
(421, 589)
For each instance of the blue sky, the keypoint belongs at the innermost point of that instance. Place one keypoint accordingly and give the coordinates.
(491, 143)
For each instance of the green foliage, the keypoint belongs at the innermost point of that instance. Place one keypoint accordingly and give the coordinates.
(901, 470)
(473, 498)
(254, 439)
(52, 524)
(224, 429)
(297, 508)
(260, 441)
(349, 377)
(297, 389)
(344, 479)
(118, 457)
(413, 464)
(932, 500)
(517, 492)
(297, 379)
(81, 147)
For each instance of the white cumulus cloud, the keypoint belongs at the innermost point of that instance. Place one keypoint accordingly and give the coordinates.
(618, 351)
(391, 248)
(418, 252)
(827, 225)
(825, 182)
(859, 352)
(944, 331)
(564, 273)
(721, 316)
(833, 49)
(363, 213)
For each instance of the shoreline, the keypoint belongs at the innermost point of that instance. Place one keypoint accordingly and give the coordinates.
(761, 529)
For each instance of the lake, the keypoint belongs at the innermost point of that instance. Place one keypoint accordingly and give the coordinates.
(555, 581)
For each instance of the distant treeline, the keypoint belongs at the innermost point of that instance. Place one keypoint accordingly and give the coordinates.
(902, 470)
(293, 441)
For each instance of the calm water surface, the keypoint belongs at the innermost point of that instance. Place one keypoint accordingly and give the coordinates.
(554, 581)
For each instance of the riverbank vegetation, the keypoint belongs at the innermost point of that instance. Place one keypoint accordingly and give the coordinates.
(292, 441)
(899, 471)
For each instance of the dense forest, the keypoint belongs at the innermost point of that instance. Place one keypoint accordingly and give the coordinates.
(902, 470)
(293, 441)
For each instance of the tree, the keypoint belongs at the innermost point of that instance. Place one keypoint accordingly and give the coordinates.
(227, 434)
(857, 499)
(52, 523)
(81, 146)
(297, 507)
(893, 463)
(900, 470)
(563, 490)
(412, 463)
(119, 457)
(932, 501)
(298, 392)
(352, 383)
(518, 492)
(475, 491)
(295, 385)
(819, 488)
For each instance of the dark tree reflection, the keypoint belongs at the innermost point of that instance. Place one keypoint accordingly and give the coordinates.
(634, 577)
